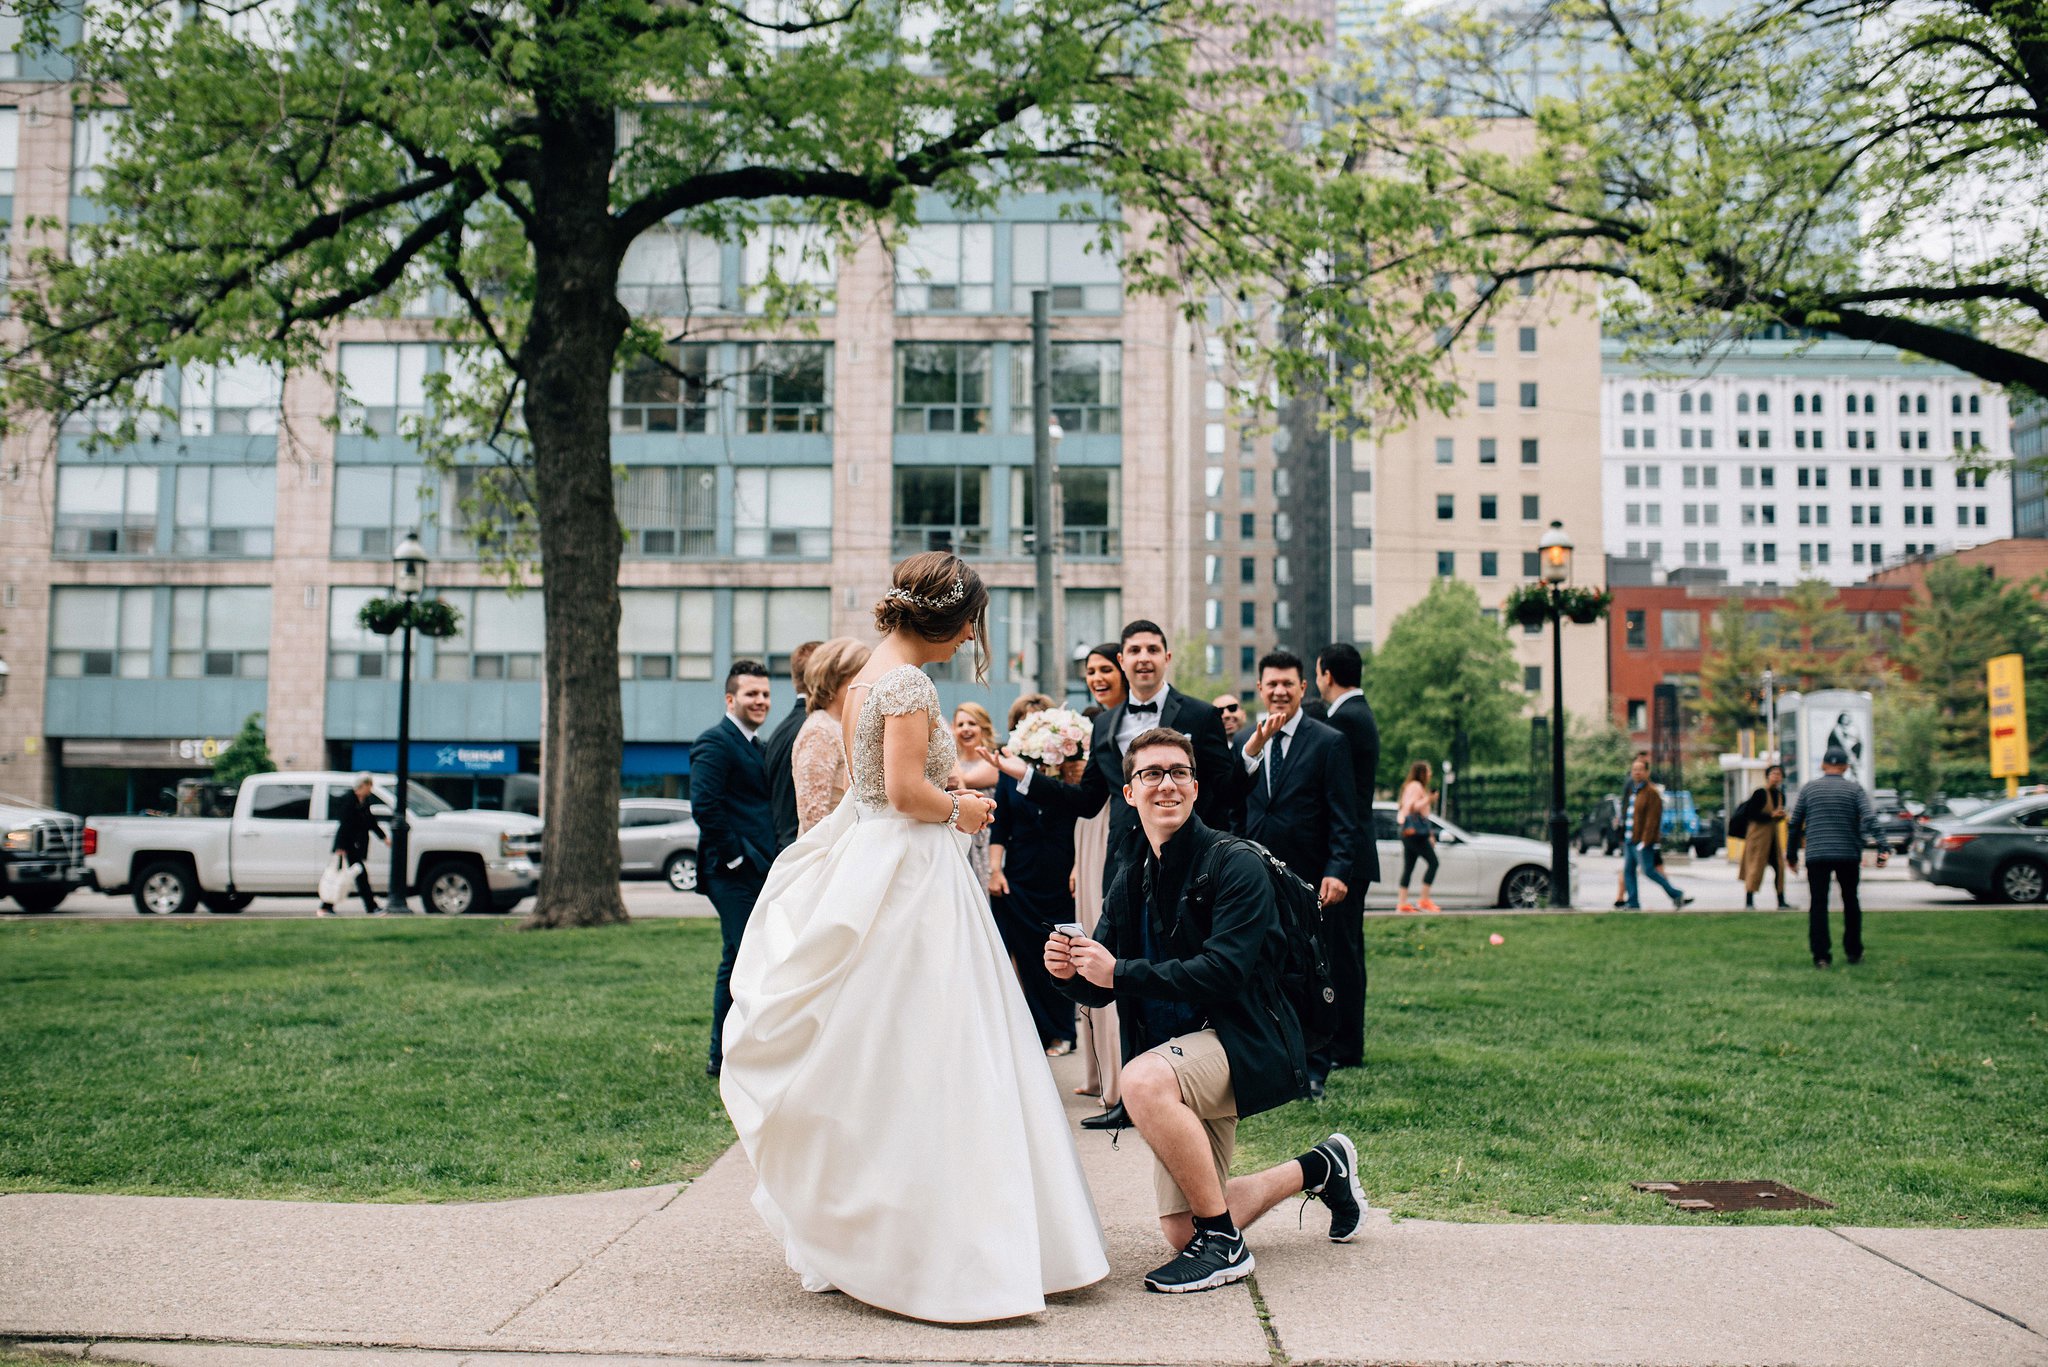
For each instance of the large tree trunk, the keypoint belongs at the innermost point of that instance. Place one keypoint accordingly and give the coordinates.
(576, 329)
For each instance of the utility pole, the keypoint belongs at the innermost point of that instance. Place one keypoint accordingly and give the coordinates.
(1045, 499)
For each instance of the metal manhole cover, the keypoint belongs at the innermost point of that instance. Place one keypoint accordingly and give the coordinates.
(1711, 1196)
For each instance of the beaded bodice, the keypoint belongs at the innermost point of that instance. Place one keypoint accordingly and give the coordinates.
(903, 690)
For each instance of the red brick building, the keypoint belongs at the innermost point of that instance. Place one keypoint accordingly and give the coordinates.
(2016, 558)
(1660, 634)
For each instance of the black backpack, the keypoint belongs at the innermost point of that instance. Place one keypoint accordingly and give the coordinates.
(1305, 978)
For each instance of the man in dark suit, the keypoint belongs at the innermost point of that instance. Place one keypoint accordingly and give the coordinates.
(1147, 661)
(1294, 775)
(1338, 673)
(735, 829)
(781, 745)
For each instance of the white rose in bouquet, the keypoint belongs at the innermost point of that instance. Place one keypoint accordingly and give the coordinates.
(1050, 738)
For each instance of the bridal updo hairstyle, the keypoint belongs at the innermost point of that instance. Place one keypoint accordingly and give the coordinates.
(933, 595)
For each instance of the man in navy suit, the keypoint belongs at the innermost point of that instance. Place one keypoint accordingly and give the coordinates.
(782, 747)
(1338, 673)
(1147, 661)
(736, 842)
(1294, 775)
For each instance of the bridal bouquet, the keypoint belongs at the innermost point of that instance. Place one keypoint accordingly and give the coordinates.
(1049, 738)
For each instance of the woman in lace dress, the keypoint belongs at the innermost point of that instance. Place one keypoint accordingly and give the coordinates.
(973, 730)
(881, 1068)
(818, 759)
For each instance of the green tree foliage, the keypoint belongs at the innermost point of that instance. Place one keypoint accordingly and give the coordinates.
(1731, 677)
(1442, 670)
(1820, 644)
(1191, 670)
(1968, 616)
(277, 167)
(1870, 168)
(248, 753)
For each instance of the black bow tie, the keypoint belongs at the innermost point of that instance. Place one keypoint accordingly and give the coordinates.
(1152, 707)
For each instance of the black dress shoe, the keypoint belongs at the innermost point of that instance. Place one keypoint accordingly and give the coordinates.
(711, 1070)
(1115, 1118)
(1315, 1089)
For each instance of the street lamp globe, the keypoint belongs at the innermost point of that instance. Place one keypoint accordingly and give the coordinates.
(411, 559)
(1555, 553)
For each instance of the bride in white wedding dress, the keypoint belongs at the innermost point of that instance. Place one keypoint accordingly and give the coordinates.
(881, 1066)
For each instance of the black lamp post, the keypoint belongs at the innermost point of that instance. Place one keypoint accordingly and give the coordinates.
(410, 560)
(1554, 553)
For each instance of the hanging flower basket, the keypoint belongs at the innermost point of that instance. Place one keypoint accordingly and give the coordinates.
(1529, 605)
(430, 617)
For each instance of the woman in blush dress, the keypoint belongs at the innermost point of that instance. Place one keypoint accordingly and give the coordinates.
(1098, 1041)
(973, 728)
(881, 1068)
(818, 759)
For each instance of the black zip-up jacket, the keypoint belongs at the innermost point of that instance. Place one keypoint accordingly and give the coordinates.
(1218, 949)
(354, 825)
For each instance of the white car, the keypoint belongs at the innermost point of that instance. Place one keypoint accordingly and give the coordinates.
(1472, 870)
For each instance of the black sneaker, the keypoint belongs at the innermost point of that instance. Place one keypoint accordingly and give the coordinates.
(1341, 1192)
(1209, 1261)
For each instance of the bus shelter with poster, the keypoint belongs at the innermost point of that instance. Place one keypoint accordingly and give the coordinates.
(1809, 723)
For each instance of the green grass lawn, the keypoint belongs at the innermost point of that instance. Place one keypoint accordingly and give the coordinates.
(354, 1060)
(1537, 1078)
(384, 1060)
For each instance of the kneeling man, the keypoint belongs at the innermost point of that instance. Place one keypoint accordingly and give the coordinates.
(1189, 947)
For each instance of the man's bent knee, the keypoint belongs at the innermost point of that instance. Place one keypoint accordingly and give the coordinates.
(1149, 1081)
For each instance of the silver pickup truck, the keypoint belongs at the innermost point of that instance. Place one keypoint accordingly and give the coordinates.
(39, 855)
(278, 841)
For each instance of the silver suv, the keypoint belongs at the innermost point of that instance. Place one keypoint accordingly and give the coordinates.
(658, 838)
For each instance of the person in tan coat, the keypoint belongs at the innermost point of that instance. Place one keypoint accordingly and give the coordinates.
(1646, 828)
(1763, 837)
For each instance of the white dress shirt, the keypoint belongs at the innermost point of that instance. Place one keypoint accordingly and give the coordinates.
(745, 730)
(1346, 696)
(1285, 735)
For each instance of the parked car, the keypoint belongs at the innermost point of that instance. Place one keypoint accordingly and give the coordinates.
(1713, 833)
(40, 862)
(658, 838)
(1681, 826)
(1472, 869)
(277, 843)
(1601, 827)
(1897, 819)
(1998, 854)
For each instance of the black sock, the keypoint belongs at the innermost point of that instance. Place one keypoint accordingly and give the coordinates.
(1316, 1169)
(1216, 1224)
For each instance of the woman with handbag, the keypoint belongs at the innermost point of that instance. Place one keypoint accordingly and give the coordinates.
(355, 823)
(1418, 836)
(1760, 822)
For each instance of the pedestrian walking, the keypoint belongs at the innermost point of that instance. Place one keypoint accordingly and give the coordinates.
(1832, 821)
(1418, 836)
(1643, 855)
(1760, 823)
(355, 822)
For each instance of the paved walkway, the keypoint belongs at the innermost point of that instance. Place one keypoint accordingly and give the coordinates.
(681, 1274)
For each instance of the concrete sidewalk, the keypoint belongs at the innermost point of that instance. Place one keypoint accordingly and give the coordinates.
(670, 1274)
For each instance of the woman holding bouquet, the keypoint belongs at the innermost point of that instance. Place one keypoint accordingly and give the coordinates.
(1031, 852)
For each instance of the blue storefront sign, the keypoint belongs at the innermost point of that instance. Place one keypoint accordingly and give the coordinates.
(644, 758)
(438, 757)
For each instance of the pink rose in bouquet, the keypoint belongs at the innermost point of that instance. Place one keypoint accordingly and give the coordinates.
(1050, 738)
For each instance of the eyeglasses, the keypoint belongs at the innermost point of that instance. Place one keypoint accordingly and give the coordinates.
(1181, 775)
(1232, 707)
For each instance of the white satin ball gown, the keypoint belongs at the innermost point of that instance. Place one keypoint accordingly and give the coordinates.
(884, 1074)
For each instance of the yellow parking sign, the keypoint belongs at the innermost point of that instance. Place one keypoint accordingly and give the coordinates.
(2007, 681)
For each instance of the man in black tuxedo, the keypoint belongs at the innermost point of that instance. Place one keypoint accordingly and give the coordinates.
(781, 746)
(1152, 701)
(735, 828)
(1294, 775)
(1338, 673)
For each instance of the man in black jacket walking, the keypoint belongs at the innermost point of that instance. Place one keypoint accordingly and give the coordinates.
(355, 821)
(1189, 947)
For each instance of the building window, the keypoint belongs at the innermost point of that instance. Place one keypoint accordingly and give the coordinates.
(103, 632)
(10, 117)
(1530, 564)
(1247, 526)
(1529, 450)
(1087, 387)
(1446, 564)
(1532, 678)
(1633, 626)
(1212, 614)
(1446, 507)
(1248, 616)
(1525, 340)
(941, 508)
(1528, 393)
(787, 387)
(665, 633)
(220, 633)
(671, 510)
(946, 268)
(1091, 511)
(226, 510)
(672, 394)
(1532, 507)
(1628, 402)
(1489, 451)
(944, 386)
(1628, 438)
(1680, 629)
(1489, 507)
(384, 384)
(797, 258)
(1070, 260)
(353, 650)
(374, 506)
(1638, 714)
(670, 272)
(92, 143)
(1487, 394)
(782, 511)
(1485, 343)
(106, 510)
(500, 636)
(1247, 659)
(1489, 564)
(1247, 570)
(236, 398)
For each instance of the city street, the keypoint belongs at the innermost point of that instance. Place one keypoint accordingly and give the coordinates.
(1711, 882)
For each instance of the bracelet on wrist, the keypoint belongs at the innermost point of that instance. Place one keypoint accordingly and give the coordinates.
(953, 821)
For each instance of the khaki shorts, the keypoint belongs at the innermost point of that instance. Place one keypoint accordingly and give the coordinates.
(1203, 1071)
